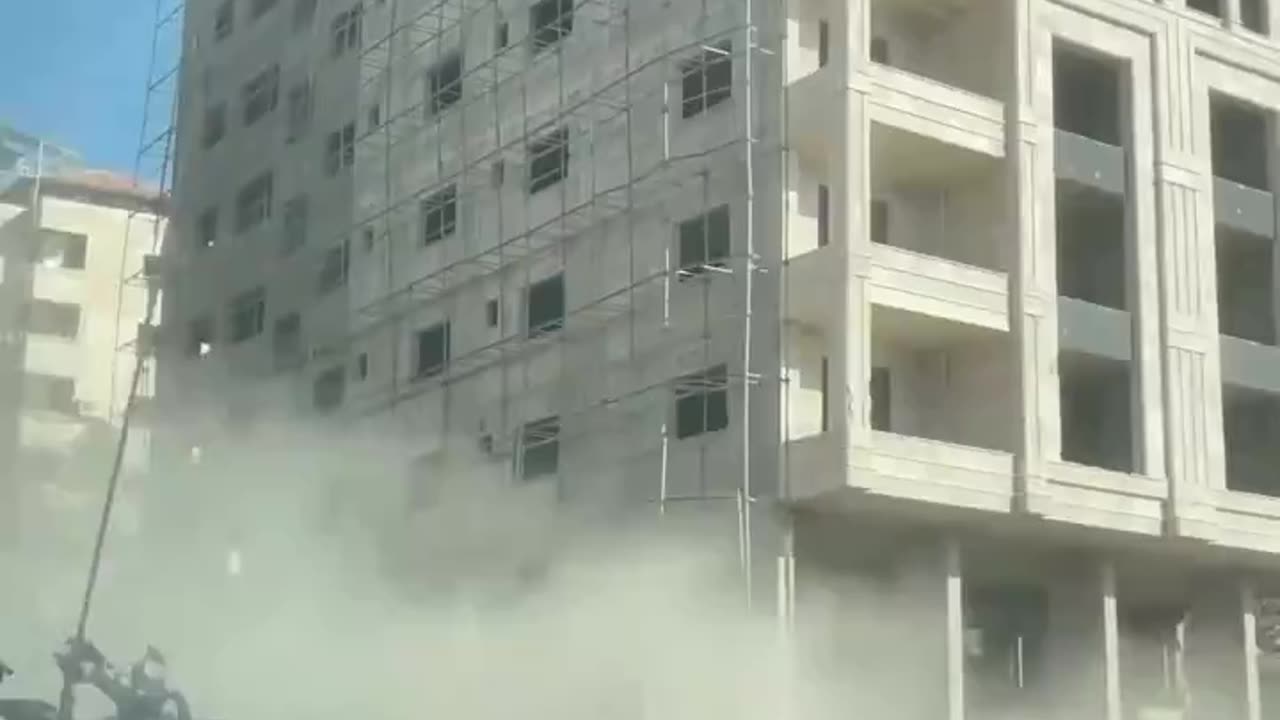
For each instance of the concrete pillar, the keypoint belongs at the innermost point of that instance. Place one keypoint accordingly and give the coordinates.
(1082, 668)
(1184, 187)
(924, 616)
(1220, 654)
(955, 631)
(851, 369)
(1033, 283)
(1231, 13)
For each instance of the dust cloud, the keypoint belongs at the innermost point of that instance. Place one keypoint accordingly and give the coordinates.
(293, 583)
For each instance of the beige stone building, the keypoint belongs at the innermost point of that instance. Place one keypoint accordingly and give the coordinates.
(957, 317)
(72, 303)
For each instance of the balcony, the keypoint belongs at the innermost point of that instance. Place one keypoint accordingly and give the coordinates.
(921, 106)
(944, 290)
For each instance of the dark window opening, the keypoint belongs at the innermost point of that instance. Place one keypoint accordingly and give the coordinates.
(879, 50)
(431, 351)
(1087, 95)
(340, 149)
(708, 80)
(1209, 7)
(540, 448)
(375, 117)
(704, 242)
(1246, 286)
(299, 119)
(224, 20)
(702, 402)
(215, 125)
(56, 319)
(1005, 631)
(881, 399)
(880, 222)
(248, 315)
(548, 160)
(1091, 246)
(362, 366)
(1239, 136)
(1097, 412)
(549, 22)
(253, 202)
(1251, 424)
(1253, 15)
(497, 173)
(334, 268)
(439, 215)
(444, 83)
(824, 216)
(824, 43)
(345, 30)
(260, 95)
(501, 35)
(545, 306)
(286, 340)
(49, 392)
(65, 250)
(294, 228)
(491, 313)
(329, 388)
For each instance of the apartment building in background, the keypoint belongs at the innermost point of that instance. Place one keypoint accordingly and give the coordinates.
(956, 319)
(76, 244)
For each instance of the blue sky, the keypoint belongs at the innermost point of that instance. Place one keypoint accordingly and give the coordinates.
(73, 72)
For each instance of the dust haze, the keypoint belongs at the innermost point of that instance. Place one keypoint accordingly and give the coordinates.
(281, 592)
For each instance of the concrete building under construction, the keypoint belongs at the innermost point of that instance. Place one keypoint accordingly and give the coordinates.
(959, 317)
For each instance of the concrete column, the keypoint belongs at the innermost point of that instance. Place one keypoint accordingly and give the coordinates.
(925, 621)
(1184, 189)
(1231, 13)
(1220, 654)
(1032, 260)
(851, 369)
(1082, 667)
(955, 631)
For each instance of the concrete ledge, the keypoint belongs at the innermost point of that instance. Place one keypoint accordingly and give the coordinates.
(933, 109)
(1094, 497)
(936, 287)
(936, 472)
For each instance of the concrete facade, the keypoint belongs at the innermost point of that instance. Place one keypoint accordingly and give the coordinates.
(919, 301)
(74, 304)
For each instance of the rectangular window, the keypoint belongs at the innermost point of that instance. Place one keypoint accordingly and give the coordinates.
(544, 308)
(260, 95)
(46, 317)
(880, 50)
(824, 43)
(304, 11)
(880, 222)
(702, 402)
(431, 352)
(334, 268)
(497, 174)
(294, 231)
(286, 340)
(345, 30)
(49, 392)
(299, 110)
(329, 388)
(207, 228)
(224, 20)
(253, 202)
(248, 312)
(444, 83)
(340, 149)
(362, 366)
(215, 125)
(375, 116)
(540, 448)
(704, 242)
(881, 399)
(60, 249)
(548, 159)
(200, 337)
(549, 22)
(439, 212)
(491, 313)
(824, 215)
(261, 7)
(707, 80)
(501, 35)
